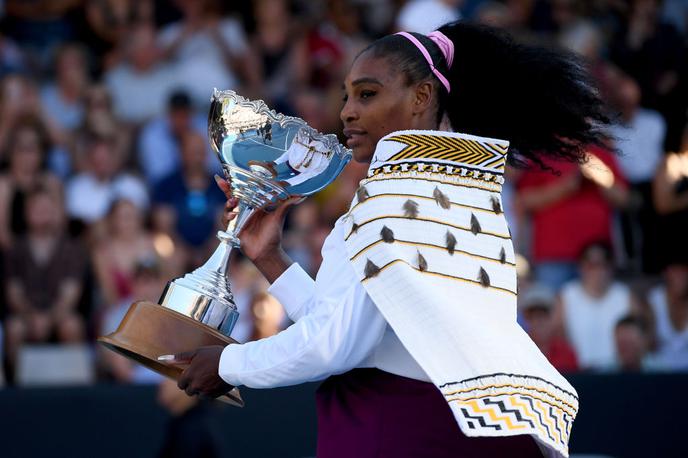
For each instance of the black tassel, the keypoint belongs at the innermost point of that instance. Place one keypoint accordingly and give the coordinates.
(475, 225)
(387, 234)
(496, 206)
(502, 256)
(451, 242)
(371, 269)
(354, 228)
(422, 263)
(410, 209)
(483, 278)
(362, 194)
(441, 198)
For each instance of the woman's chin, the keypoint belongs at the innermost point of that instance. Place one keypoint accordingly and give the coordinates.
(362, 153)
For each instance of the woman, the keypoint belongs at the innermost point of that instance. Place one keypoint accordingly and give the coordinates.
(28, 147)
(417, 282)
(116, 256)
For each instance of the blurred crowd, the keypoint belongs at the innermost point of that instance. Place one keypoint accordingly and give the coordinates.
(106, 175)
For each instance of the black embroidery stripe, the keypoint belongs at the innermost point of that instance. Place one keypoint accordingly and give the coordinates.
(432, 180)
(468, 391)
(440, 274)
(513, 393)
(472, 207)
(428, 220)
(442, 168)
(505, 374)
(431, 245)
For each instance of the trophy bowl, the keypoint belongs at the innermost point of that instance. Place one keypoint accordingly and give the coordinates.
(267, 157)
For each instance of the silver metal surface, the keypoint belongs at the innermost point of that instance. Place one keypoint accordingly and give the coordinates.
(267, 157)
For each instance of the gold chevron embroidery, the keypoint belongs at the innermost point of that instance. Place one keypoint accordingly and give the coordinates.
(520, 412)
(472, 152)
(493, 415)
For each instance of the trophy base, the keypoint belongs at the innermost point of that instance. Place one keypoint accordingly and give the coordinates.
(149, 330)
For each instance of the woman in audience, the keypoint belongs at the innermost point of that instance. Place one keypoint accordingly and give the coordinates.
(26, 152)
(116, 256)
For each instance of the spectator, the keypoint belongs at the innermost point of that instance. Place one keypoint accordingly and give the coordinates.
(343, 24)
(116, 256)
(536, 306)
(570, 209)
(62, 99)
(268, 316)
(632, 346)
(19, 99)
(27, 149)
(192, 195)
(109, 22)
(100, 121)
(589, 308)
(91, 193)
(654, 53)
(141, 83)
(40, 26)
(147, 283)
(281, 52)
(640, 140)
(11, 57)
(160, 139)
(669, 305)
(670, 193)
(247, 282)
(208, 50)
(424, 16)
(44, 277)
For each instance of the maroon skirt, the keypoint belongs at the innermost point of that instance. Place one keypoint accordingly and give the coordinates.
(368, 413)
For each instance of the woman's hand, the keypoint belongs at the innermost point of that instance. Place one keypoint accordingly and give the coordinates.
(201, 375)
(261, 236)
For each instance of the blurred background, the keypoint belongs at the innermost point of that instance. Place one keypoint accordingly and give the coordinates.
(107, 192)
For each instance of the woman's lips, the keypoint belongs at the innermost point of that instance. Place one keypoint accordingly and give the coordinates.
(353, 137)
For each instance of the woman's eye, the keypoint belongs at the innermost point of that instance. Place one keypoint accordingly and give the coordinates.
(367, 94)
(345, 98)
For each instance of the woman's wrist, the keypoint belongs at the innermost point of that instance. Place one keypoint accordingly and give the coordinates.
(273, 264)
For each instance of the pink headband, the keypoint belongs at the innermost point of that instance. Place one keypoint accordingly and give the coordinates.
(445, 45)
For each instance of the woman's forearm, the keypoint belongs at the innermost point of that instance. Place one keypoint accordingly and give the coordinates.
(273, 264)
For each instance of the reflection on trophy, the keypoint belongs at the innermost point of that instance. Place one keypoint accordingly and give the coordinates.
(267, 158)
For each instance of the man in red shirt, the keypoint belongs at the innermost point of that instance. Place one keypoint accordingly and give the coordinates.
(571, 206)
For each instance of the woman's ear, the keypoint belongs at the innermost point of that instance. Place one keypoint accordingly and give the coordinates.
(424, 97)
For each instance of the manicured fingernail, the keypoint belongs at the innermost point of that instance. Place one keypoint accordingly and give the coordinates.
(218, 179)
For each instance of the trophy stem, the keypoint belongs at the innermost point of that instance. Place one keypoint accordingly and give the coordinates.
(229, 236)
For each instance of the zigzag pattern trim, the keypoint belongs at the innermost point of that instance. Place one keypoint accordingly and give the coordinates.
(516, 404)
(453, 149)
(517, 413)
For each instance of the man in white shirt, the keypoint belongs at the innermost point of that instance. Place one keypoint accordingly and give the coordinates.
(90, 193)
(207, 52)
(140, 85)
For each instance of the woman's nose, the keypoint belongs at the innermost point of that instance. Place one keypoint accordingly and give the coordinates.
(348, 112)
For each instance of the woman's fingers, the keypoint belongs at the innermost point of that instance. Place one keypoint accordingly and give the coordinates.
(229, 214)
(224, 186)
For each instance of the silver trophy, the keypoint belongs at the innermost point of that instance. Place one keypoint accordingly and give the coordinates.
(267, 158)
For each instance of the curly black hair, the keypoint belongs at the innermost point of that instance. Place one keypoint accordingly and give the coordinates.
(541, 100)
